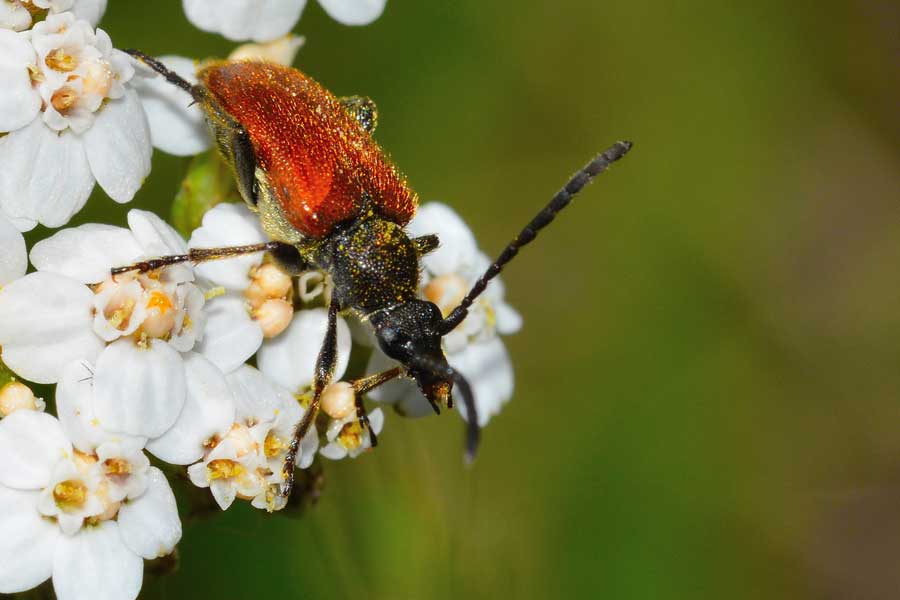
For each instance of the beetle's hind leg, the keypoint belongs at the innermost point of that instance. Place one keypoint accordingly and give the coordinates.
(198, 255)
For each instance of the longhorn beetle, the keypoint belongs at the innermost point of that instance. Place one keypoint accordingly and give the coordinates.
(330, 199)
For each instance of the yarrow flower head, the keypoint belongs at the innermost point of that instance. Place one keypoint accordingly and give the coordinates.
(18, 14)
(265, 20)
(70, 118)
(139, 329)
(71, 509)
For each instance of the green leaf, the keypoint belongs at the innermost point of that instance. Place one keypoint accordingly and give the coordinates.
(208, 182)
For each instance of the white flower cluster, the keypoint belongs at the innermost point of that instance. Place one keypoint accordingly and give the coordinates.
(70, 115)
(157, 364)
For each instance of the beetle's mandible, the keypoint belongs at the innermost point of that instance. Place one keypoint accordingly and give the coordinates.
(330, 199)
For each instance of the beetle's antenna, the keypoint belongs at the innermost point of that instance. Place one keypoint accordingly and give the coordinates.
(473, 430)
(170, 75)
(530, 231)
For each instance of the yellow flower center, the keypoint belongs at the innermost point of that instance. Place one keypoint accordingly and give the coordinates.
(63, 99)
(160, 300)
(273, 445)
(350, 436)
(117, 467)
(58, 60)
(223, 468)
(70, 494)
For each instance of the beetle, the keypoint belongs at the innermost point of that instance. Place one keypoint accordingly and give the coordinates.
(330, 199)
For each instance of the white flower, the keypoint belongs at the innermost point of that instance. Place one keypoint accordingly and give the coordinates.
(473, 348)
(13, 258)
(264, 20)
(14, 14)
(244, 458)
(347, 436)
(86, 520)
(136, 328)
(177, 124)
(258, 299)
(290, 359)
(72, 120)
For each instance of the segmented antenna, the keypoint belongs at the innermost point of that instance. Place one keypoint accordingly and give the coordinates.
(170, 75)
(530, 231)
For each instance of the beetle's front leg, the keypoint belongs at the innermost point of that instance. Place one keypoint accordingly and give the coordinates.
(199, 255)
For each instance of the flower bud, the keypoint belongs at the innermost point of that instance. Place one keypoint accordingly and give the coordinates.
(274, 316)
(338, 400)
(18, 396)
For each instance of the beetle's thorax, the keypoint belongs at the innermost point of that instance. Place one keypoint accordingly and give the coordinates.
(373, 263)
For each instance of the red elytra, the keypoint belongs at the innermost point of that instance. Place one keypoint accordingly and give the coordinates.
(319, 160)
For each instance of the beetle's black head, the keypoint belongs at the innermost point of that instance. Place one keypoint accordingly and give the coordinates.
(410, 333)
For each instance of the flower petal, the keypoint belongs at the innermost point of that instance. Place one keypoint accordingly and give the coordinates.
(14, 16)
(176, 124)
(96, 564)
(13, 258)
(31, 443)
(75, 407)
(155, 236)
(240, 20)
(137, 390)
(290, 358)
(458, 247)
(354, 12)
(46, 323)
(87, 252)
(45, 175)
(254, 395)
(229, 224)
(19, 102)
(118, 147)
(89, 10)
(28, 542)
(208, 410)
(231, 335)
(149, 525)
(487, 367)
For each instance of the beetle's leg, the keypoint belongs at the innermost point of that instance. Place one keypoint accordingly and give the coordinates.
(197, 255)
(426, 243)
(363, 110)
(366, 384)
(325, 364)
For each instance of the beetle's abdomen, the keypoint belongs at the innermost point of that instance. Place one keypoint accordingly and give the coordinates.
(319, 161)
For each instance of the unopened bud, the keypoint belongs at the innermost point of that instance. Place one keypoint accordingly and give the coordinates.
(338, 400)
(274, 282)
(18, 396)
(274, 316)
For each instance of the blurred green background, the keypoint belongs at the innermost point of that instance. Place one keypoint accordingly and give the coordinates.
(708, 398)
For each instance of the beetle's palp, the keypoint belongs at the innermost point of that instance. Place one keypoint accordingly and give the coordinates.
(473, 430)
